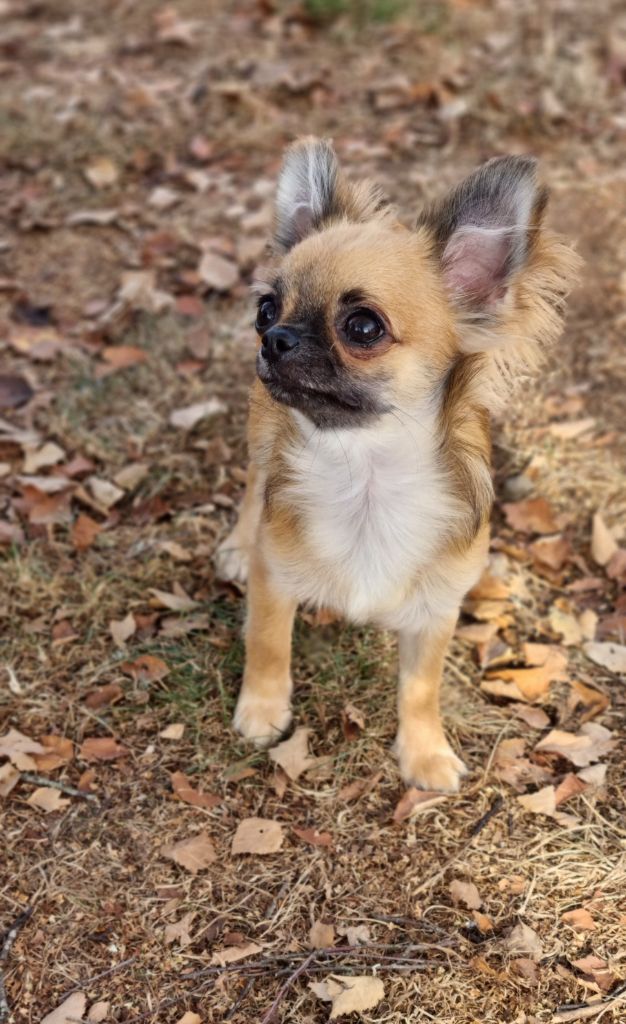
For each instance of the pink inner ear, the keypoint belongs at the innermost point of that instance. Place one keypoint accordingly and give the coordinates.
(474, 263)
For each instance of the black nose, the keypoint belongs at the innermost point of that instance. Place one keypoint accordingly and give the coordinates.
(278, 341)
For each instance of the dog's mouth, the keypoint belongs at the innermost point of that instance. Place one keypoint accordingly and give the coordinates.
(336, 404)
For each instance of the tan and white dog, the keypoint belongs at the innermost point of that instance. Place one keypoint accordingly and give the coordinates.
(382, 353)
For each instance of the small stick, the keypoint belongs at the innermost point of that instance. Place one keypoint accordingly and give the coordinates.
(479, 825)
(7, 944)
(287, 985)
(41, 780)
(98, 977)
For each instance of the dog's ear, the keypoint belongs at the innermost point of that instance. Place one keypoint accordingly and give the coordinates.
(312, 191)
(484, 231)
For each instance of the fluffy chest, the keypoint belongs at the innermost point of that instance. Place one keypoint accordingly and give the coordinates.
(374, 505)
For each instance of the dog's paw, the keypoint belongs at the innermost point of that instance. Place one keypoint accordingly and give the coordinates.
(231, 560)
(436, 769)
(262, 720)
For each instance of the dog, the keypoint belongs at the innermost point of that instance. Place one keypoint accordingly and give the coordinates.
(382, 353)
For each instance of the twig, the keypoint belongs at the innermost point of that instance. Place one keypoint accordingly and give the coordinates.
(479, 825)
(287, 985)
(41, 780)
(98, 977)
(587, 1011)
(240, 998)
(7, 943)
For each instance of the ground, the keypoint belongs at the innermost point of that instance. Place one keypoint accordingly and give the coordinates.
(139, 148)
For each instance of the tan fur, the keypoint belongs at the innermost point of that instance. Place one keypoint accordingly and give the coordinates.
(450, 367)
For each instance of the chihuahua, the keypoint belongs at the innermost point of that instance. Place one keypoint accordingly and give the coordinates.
(382, 353)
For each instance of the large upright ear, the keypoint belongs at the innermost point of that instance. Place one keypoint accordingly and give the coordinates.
(312, 190)
(484, 231)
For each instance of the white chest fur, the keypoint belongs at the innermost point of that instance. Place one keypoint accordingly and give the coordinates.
(375, 506)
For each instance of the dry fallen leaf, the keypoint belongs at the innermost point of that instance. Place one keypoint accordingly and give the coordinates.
(47, 799)
(178, 931)
(18, 749)
(120, 357)
(38, 458)
(105, 493)
(570, 429)
(59, 751)
(180, 602)
(98, 1012)
(101, 748)
(190, 1018)
(465, 893)
(139, 291)
(9, 778)
(597, 970)
(84, 532)
(569, 786)
(70, 1010)
(349, 993)
(292, 755)
(187, 417)
(103, 695)
(589, 744)
(194, 854)
(360, 787)
(321, 935)
(566, 626)
(550, 666)
(122, 629)
(414, 801)
(101, 172)
(580, 920)
(175, 731)
(536, 718)
(352, 722)
(603, 543)
(258, 836)
(523, 939)
(510, 765)
(551, 551)
(184, 791)
(231, 954)
(312, 836)
(541, 802)
(608, 655)
(147, 668)
(218, 272)
(533, 515)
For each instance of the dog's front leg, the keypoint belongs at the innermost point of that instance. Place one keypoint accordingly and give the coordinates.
(263, 710)
(233, 555)
(426, 758)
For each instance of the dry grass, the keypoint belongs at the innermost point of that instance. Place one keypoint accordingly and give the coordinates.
(100, 890)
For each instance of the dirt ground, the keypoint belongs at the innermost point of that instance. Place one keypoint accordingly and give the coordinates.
(139, 145)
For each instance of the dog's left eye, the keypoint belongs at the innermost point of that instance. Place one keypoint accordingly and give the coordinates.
(363, 327)
(266, 313)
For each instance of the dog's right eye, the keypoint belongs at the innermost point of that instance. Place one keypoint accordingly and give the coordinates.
(267, 313)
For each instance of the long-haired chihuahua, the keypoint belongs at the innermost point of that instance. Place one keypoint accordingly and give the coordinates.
(382, 353)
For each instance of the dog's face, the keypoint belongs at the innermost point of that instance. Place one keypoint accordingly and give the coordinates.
(363, 316)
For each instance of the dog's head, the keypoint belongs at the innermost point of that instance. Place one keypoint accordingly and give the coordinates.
(364, 316)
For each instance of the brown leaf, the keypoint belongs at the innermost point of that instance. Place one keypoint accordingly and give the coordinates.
(147, 668)
(321, 935)
(526, 968)
(533, 683)
(178, 931)
(580, 920)
(190, 1018)
(217, 272)
(490, 588)
(102, 748)
(522, 939)
(483, 922)
(565, 625)
(194, 854)
(597, 970)
(231, 954)
(258, 836)
(533, 515)
(98, 1012)
(47, 800)
(589, 700)
(105, 493)
(567, 430)
(187, 417)
(108, 694)
(9, 778)
(101, 172)
(534, 717)
(511, 766)
(119, 357)
(122, 629)
(84, 532)
(175, 731)
(414, 801)
(312, 836)
(603, 543)
(18, 748)
(70, 1010)
(609, 655)
(360, 787)
(176, 602)
(14, 391)
(59, 752)
(570, 786)
(349, 993)
(352, 722)
(591, 743)
(465, 893)
(184, 791)
(551, 551)
(293, 754)
(541, 802)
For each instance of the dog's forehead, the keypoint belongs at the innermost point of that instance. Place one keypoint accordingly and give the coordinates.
(370, 259)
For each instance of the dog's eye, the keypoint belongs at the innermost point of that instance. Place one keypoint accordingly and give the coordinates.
(363, 327)
(266, 313)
